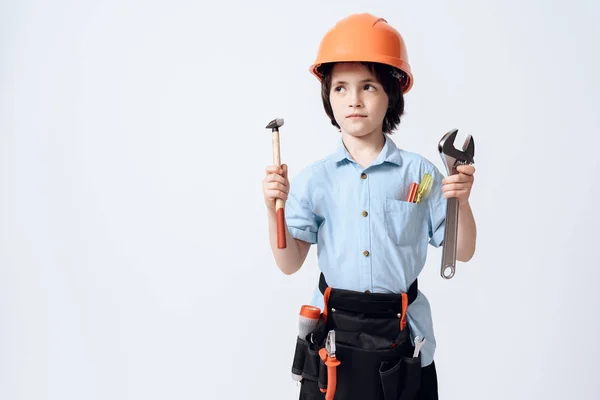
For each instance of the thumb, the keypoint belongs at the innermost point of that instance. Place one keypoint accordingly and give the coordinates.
(466, 169)
(285, 170)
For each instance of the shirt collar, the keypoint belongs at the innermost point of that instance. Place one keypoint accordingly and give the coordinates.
(389, 153)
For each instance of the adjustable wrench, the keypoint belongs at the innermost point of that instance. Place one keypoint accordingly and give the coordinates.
(419, 342)
(453, 158)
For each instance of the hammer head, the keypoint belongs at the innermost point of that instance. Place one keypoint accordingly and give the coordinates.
(275, 124)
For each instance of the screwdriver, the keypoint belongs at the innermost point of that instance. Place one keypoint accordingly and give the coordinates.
(424, 187)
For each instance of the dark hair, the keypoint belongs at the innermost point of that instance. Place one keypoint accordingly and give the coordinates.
(391, 85)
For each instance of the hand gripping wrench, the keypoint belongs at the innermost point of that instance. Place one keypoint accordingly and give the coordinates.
(453, 158)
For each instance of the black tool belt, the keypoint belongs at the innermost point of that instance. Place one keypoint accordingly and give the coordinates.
(373, 347)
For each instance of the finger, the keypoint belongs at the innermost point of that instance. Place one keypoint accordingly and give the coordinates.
(455, 193)
(458, 178)
(275, 178)
(455, 187)
(276, 194)
(274, 169)
(285, 171)
(466, 169)
(276, 186)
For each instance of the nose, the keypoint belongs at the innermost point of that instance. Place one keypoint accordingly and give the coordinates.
(355, 98)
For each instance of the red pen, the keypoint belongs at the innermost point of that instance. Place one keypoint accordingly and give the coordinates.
(412, 192)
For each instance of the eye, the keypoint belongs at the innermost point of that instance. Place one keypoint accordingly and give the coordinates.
(338, 89)
(370, 87)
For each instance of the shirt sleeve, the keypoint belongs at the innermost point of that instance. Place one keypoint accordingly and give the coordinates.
(300, 219)
(437, 209)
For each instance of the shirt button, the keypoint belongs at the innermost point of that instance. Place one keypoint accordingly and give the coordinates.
(363, 175)
(365, 253)
(364, 213)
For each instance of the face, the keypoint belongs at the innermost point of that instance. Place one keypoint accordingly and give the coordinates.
(358, 100)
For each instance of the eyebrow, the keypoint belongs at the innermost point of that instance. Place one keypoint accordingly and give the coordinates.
(371, 80)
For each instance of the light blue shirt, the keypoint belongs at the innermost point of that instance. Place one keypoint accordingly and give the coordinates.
(368, 236)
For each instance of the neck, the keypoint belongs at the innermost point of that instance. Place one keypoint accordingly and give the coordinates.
(364, 149)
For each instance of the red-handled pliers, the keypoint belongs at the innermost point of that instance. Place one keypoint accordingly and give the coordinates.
(328, 356)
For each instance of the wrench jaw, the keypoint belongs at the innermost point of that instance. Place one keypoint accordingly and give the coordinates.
(453, 157)
(446, 143)
(468, 153)
(447, 150)
(469, 148)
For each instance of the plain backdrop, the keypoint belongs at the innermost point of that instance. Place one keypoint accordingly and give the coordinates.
(134, 256)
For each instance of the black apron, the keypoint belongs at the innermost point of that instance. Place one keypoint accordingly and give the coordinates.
(373, 347)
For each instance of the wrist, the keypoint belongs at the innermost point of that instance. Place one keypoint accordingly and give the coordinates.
(271, 212)
(464, 205)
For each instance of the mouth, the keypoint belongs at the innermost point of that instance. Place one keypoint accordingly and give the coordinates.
(352, 116)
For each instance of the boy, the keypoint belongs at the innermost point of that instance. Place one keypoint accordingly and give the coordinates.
(371, 242)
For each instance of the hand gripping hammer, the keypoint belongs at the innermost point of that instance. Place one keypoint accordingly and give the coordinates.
(279, 203)
(453, 158)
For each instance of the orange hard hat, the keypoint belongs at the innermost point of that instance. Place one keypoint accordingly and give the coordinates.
(364, 37)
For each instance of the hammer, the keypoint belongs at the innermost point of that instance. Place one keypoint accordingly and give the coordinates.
(279, 203)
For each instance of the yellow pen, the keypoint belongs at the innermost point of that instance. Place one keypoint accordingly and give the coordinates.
(424, 188)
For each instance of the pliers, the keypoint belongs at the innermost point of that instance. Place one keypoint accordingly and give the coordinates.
(453, 158)
(327, 354)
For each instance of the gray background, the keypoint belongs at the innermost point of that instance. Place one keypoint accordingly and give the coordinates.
(134, 260)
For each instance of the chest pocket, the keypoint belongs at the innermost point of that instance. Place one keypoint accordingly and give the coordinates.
(404, 221)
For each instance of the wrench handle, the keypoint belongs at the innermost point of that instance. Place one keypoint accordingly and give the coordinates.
(279, 203)
(450, 234)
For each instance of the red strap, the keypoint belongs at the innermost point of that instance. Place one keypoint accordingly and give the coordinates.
(326, 300)
(404, 308)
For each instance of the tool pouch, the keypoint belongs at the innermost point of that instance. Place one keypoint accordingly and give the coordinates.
(372, 343)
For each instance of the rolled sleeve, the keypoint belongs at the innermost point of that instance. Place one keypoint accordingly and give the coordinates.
(437, 210)
(300, 219)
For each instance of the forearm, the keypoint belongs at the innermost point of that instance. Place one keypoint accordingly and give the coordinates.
(467, 233)
(290, 259)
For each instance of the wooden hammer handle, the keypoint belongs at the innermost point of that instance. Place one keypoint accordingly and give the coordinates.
(279, 203)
